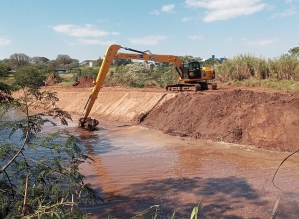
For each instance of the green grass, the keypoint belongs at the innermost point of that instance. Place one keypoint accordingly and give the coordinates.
(283, 85)
(67, 76)
(8, 80)
(66, 83)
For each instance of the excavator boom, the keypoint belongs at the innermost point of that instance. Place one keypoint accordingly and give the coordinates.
(193, 79)
(85, 121)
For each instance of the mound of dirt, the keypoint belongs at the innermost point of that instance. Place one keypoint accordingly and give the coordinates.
(263, 119)
(84, 81)
(51, 80)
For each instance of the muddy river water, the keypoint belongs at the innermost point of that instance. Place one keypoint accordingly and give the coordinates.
(135, 168)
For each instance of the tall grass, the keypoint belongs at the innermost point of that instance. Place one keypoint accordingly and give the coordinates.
(244, 67)
(285, 67)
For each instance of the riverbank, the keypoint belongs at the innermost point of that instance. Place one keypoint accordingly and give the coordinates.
(249, 116)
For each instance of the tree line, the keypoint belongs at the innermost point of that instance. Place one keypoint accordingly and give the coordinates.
(17, 60)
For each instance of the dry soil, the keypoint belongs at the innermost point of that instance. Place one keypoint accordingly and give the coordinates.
(249, 116)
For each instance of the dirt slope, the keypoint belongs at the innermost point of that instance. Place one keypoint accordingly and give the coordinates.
(249, 116)
(113, 104)
(264, 119)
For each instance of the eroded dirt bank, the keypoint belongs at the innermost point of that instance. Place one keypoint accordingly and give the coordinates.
(263, 119)
(240, 115)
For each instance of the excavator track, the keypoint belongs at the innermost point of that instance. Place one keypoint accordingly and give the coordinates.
(183, 87)
(191, 87)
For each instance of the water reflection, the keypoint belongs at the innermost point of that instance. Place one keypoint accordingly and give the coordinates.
(136, 168)
(96, 143)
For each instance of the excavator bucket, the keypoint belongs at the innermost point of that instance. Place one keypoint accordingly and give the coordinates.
(88, 123)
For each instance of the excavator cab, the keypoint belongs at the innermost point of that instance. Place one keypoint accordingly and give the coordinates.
(194, 70)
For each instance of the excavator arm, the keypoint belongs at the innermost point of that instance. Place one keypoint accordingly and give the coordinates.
(194, 77)
(85, 121)
(111, 53)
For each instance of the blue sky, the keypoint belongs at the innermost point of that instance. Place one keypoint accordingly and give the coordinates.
(200, 28)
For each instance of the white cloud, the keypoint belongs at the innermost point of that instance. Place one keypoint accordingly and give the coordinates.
(155, 12)
(168, 8)
(226, 9)
(165, 8)
(266, 42)
(195, 37)
(86, 42)
(103, 20)
(229, 39)
(186, 19)
(149, 40)
(289, 12)
(80, 31)
(290, 1)
(115, 33)
(4, 42)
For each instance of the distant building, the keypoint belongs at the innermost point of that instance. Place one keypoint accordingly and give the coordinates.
(88, 63)
(61, 71)
(220, 59)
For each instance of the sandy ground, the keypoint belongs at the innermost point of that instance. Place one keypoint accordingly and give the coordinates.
(243, 115)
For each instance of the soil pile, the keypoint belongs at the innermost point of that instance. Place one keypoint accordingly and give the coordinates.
(263, 119)
(51, 80)
(84, 81)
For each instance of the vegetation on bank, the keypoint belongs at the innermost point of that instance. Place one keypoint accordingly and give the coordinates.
(39, 171)
(280, 73)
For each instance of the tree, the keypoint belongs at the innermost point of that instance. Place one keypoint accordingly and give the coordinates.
(19, 59)
(63, 59)
(73, 64)
(34, 167)
(211, 62)
(294, 51)
(119, 62)
(29, 76)
(66, 62)
(39, 62)
(188, 58)
(4, 69)
(99, 61)
(5, 90)
(53, 64)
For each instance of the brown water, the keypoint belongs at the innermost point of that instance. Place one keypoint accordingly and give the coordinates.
(135, 168)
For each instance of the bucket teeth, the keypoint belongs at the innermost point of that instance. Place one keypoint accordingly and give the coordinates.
(88, 123)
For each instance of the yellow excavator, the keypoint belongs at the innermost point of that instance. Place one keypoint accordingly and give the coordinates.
(192, 76)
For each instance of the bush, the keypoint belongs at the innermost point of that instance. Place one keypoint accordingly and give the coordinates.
(29, 76)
